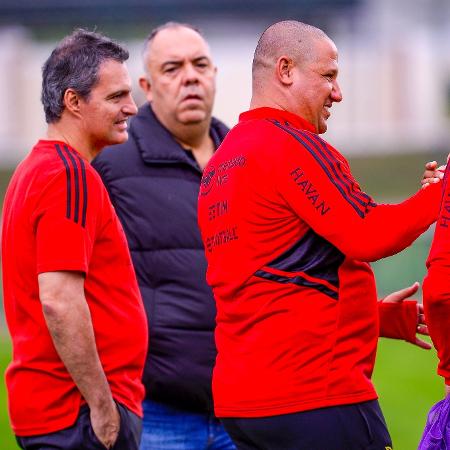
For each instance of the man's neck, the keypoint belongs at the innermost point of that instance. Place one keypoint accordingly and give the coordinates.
(60, 131)
(195, 137)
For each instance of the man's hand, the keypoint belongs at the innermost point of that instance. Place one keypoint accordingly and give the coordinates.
(432, 174)
(447, 390)
(421, 327)
(106, 424)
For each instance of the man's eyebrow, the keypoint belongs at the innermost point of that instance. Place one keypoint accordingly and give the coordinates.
(180, 61)
(171, 61)
(118, 93)
(199, 58)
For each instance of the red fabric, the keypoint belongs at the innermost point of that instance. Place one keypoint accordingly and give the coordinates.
(57, 217)
(436, 285)
(398, 320)
(286, 231)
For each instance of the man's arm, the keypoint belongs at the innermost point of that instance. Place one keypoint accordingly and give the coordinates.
(316, 182)
(69, 322)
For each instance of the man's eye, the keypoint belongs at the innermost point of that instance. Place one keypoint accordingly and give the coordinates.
(170, 69)
(116, 96)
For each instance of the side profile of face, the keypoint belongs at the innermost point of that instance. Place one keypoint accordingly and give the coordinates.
(315, 87)
(181, 77)
(105, 112)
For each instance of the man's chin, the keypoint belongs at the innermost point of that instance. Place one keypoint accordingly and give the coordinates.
(322, 127)
(192, 117)
(119, 138)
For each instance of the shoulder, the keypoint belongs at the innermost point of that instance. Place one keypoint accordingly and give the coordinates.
(219, 127)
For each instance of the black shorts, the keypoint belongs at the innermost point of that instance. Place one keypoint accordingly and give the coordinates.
(360, 426)
(81, 435)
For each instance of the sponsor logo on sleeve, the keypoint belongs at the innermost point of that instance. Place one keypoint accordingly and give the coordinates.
(311, 193)
(444, 219)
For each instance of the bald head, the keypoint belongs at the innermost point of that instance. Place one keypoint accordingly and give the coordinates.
(290, 38)
(295, 69)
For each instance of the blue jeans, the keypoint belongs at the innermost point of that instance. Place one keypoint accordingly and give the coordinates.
(167, 428)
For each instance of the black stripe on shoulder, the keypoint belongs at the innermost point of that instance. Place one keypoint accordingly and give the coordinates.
(68, 181)
(76, 179)
(361, 197)
(85, 191)
(304, 141)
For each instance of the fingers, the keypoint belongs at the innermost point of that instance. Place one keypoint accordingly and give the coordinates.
(423, 344)
(433, 174)
(423, 329)
(431, 165)
(421, 319)
(400, 295)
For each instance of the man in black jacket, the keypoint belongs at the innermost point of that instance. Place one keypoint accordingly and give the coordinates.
(153, 181)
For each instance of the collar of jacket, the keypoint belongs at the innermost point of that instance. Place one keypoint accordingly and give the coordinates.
(158, 146)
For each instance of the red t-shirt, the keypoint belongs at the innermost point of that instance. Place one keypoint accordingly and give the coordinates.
(57, 217)
(436, 285)
(288, 233)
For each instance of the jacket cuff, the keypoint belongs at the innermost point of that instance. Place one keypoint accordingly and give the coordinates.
(398, 320)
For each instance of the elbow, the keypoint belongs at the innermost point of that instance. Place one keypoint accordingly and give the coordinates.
(363, 253)
(52, 307)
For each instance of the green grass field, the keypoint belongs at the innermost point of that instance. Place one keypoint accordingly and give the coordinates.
(405, 376)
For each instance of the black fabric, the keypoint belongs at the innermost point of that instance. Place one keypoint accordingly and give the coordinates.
(360, 426)
(153, 183)
(81, 435)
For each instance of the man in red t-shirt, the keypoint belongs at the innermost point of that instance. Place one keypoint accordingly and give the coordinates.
(71, 298)
(288, 237)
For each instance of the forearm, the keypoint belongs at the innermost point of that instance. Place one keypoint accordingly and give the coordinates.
(389, 229)
(69, 323)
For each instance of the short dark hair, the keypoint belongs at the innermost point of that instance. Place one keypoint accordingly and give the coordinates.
(74, 64)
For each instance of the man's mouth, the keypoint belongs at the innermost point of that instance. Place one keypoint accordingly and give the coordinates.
(192, 97)
(122, 124)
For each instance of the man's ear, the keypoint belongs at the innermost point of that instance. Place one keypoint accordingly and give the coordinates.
(146, 86)
(71, 101)
(284, 70)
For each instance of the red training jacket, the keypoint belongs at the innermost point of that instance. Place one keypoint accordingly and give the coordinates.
(287, 234)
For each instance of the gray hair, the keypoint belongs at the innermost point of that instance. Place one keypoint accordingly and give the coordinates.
(74, 64)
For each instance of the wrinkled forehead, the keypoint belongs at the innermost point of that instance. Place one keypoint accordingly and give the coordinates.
(174, 44)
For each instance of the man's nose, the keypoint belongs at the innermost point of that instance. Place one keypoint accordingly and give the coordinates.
(130, 108)
(336, 93)
(190, 74)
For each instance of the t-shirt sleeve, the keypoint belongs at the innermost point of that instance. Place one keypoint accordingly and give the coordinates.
(65, 221)
(316, 182)
(436, 285)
